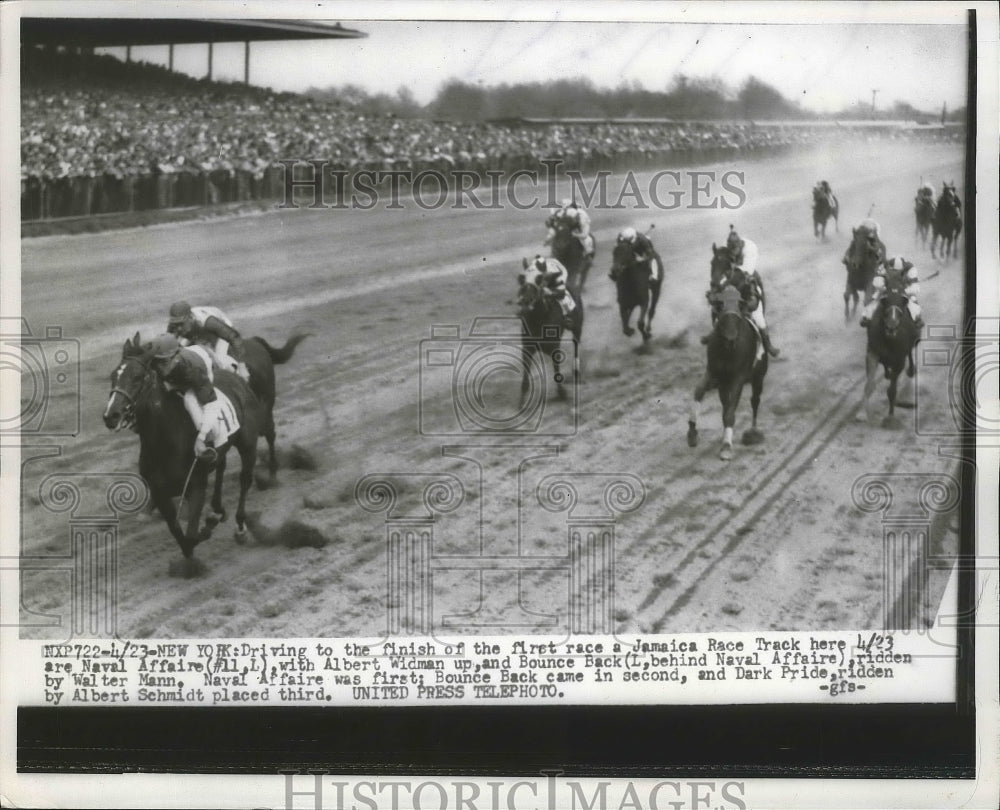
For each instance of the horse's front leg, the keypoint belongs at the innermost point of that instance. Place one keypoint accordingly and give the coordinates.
(730, 398)
(165, 505)
(706, 384)
(195, 499)
(218, 513)
(643, 323)
(626, 316)
(528, 350)
(871, 375)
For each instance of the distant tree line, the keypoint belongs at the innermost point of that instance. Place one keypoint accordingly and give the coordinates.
(686, 98)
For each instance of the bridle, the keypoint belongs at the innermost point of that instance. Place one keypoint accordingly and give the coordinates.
(128, 414)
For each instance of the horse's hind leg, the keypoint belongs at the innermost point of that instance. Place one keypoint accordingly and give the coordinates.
(248, 458)
(754, 436)
(272, 458)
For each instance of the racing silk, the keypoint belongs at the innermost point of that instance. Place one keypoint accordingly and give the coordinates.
(188, 371)
(212, 323)
(906, 281)
(190, 374)
(746, 259)
(552, 282)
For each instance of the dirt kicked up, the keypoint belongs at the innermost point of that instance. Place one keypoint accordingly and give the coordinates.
(774, 539)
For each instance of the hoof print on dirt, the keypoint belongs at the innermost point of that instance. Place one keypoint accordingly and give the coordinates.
(752, 436)
(300, 458)
(187, 568)
(732, 609)
(298, 534)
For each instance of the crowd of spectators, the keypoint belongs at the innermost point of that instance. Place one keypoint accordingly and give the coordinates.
(93, 126)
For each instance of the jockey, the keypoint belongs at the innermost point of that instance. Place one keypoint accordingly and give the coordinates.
(579, 223)
(211, 327)
(823, 187)
(550, 276)
(744, 254)
(899, 273)
(869, 230)
(189, 372)
(642, 251)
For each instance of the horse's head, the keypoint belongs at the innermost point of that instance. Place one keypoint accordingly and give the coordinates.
(529, 287)
(622, 256)
(722, 266)
(129, 382)
(894, 311)
(730, 314)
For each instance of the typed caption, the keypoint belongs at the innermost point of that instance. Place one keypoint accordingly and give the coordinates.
(744, 667)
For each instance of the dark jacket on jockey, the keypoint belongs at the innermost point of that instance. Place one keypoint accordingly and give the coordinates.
(186, 371)
(642, 248)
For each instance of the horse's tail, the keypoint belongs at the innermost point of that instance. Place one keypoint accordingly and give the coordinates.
(284, 354)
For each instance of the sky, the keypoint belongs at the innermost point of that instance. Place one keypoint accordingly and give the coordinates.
(825, 66)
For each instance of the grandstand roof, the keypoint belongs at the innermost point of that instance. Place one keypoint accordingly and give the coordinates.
(111, 32)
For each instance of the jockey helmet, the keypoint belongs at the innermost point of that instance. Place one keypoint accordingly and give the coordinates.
(164, 346)
(733, 241)
(540, 264)
(897, 263)
(628, 235)
(568, 203)
(179, 311)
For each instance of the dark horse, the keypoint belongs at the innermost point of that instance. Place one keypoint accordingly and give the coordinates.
(543, 324)
(867, 253)
(923, 211)
(825, 207)
(167, 435)
(568, 250)
(891, 337)
(732, 352)
(947, 223)
(636, 287)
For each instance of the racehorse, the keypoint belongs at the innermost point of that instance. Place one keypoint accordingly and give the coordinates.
(542, 324)
(732, 353)
(891, 337)
(167, 435)
(636, 287)
(924, 209)
(824, 208)
(721, 272)
(947, 223)
(866, 256)
(569, 251)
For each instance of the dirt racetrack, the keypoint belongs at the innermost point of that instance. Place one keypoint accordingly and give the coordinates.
(770, 540)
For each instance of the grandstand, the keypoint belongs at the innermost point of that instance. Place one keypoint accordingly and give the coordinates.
(101, 135)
